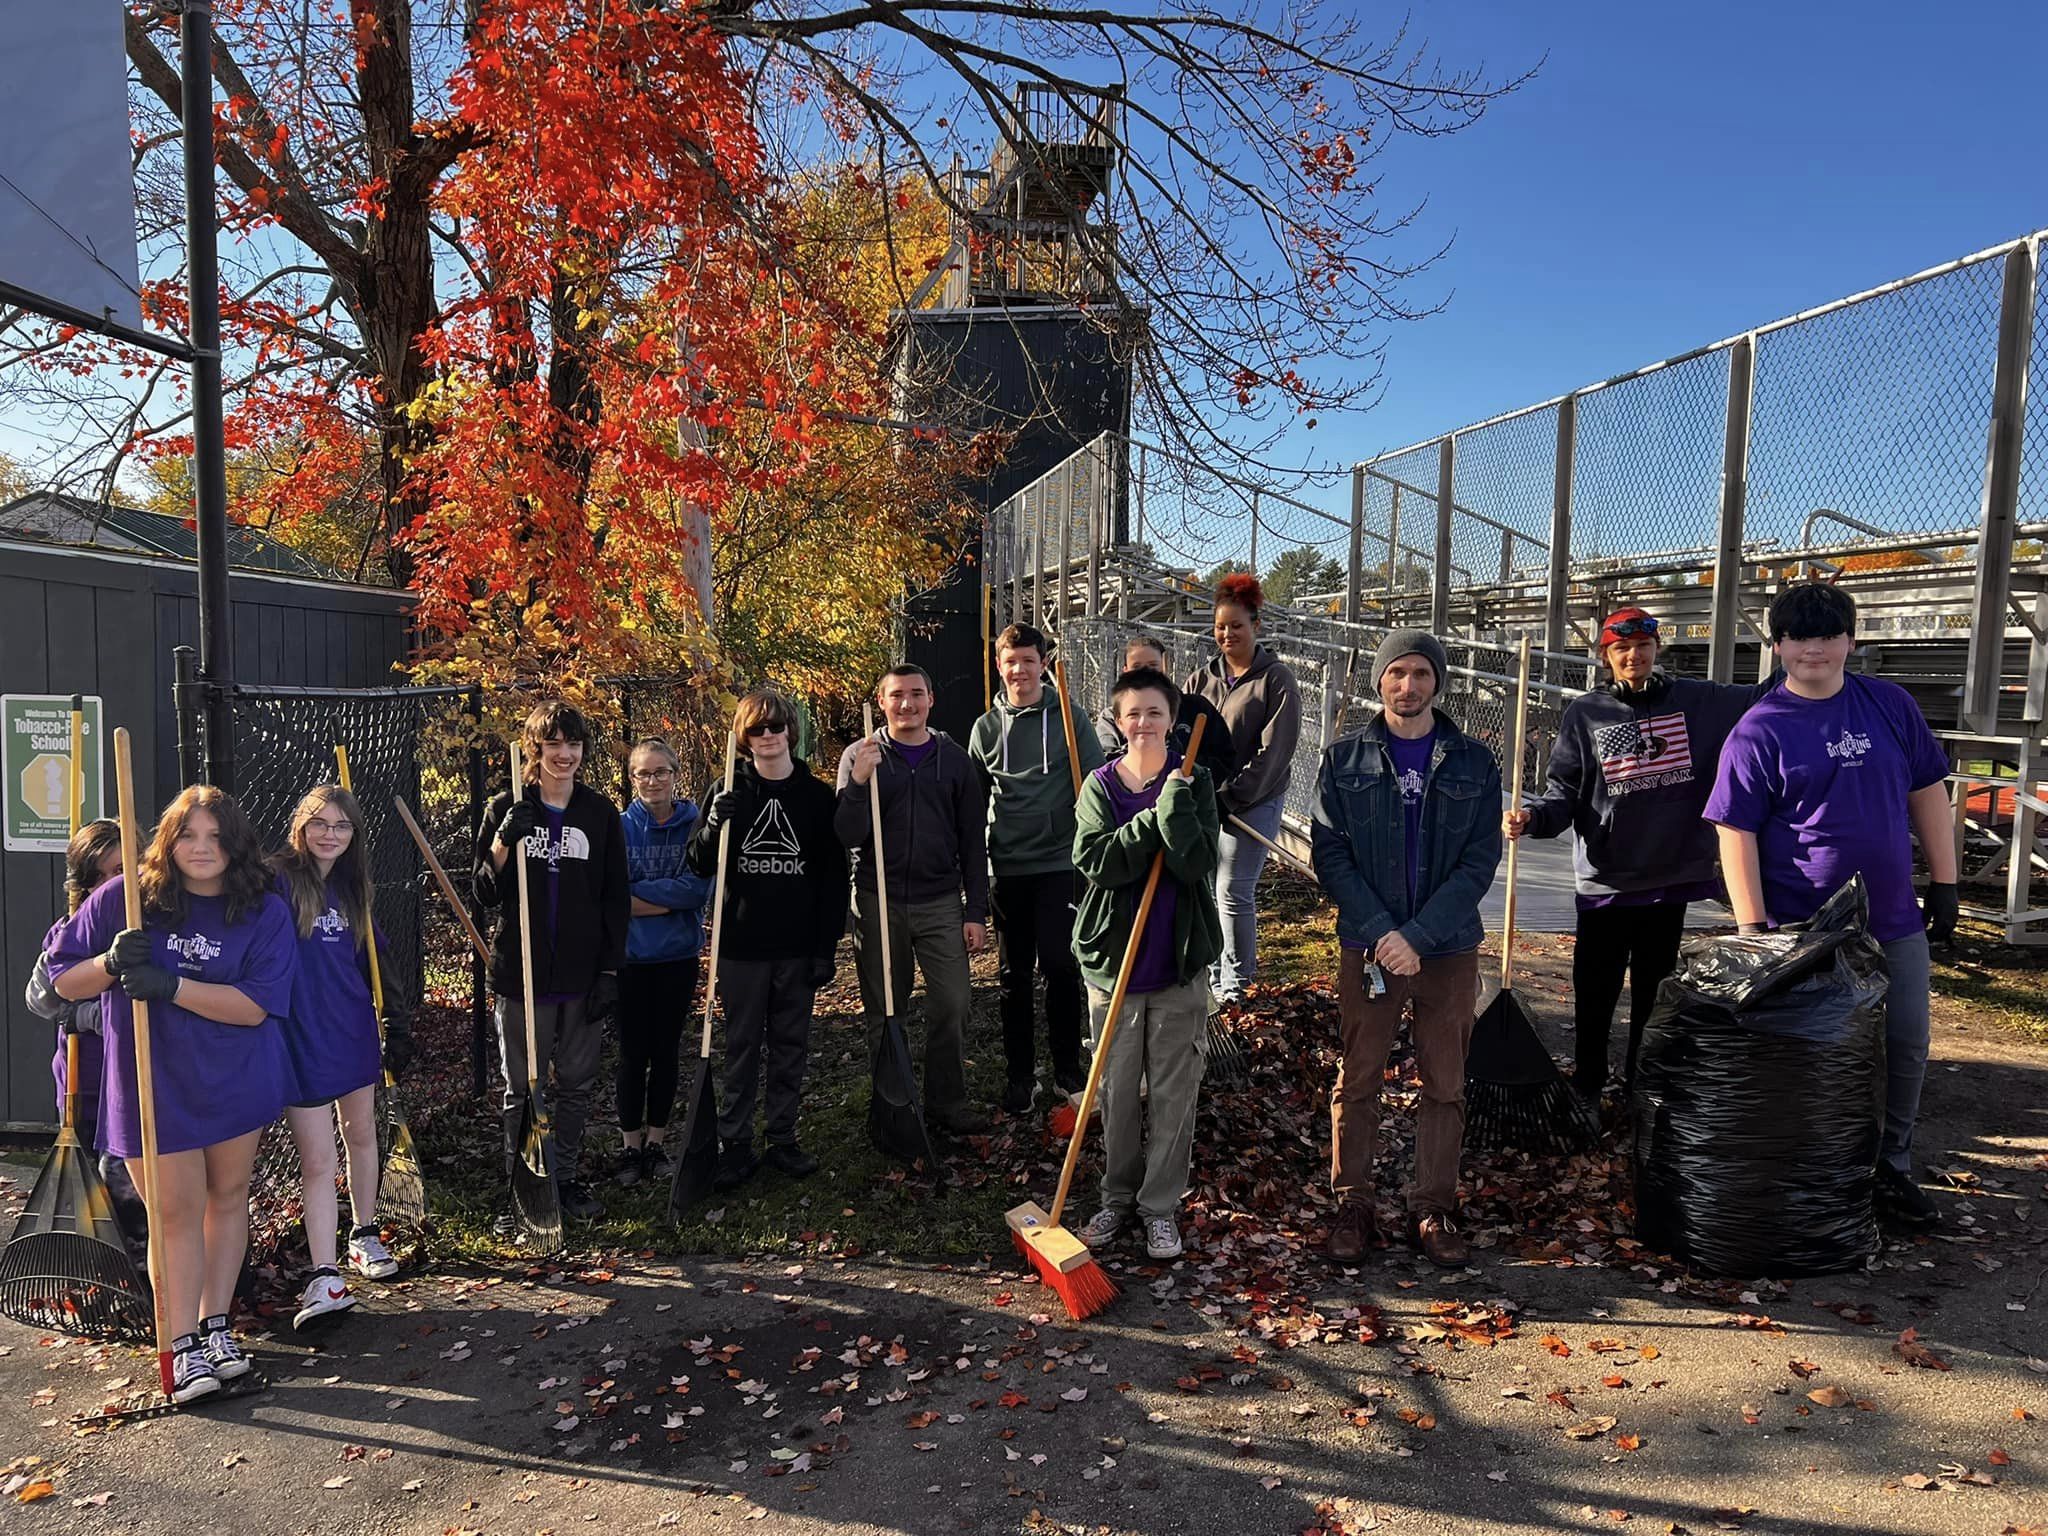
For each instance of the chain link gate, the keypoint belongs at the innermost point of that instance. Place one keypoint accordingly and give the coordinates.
(420, 745)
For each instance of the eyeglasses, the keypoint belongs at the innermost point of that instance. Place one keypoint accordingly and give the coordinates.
(1628, 629)
(331, 828)
(767, 728)
(653, 775)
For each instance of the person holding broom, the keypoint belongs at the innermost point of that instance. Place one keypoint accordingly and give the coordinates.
(1131, 809)
(1150, 651)
(1020, 750)
(337, 1052)
(1629, 773)
(92, 857)
(1260, 701)
(663, 942)
(785, 908)
(1833, 775)
(215, 960)
(575, 856)
(1405, 841)
(934, 850)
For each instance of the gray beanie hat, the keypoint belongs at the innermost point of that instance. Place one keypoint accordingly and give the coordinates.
(1409, 642)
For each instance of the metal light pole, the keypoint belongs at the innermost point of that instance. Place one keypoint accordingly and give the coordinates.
(209, 450)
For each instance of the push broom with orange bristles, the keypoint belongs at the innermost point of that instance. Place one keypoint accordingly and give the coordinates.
(1062, 1260)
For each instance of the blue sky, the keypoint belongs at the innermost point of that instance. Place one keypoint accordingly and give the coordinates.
(1678, 173)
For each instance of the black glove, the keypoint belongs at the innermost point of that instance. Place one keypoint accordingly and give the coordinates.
(149, 983)
(398, 1047)
(131, 947)
(1749, 928)
(603, 1000)
(823, 969)
(1943, 908)
(518, 824)
(724, 807)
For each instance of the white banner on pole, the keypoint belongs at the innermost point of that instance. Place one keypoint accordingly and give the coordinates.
(67, 185)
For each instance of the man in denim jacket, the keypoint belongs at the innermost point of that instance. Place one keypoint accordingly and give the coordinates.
(1406, 839)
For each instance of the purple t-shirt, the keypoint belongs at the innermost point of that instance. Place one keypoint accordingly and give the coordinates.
(330, 1034)
(1157, 967)
(1823, 785)
(913, 757)
(214, 1081)
(1411, 777)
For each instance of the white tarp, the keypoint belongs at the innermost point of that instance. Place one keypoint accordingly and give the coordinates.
(67, 190)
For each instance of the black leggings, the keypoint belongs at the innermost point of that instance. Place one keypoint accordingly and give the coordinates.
(654, 1004)
(1643, 941)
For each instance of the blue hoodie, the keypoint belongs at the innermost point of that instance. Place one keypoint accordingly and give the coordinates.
(658, 875)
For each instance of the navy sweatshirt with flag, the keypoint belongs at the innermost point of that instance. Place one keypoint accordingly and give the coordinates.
(1630, 773)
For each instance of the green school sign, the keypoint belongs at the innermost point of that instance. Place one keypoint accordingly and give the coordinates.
(35, 759)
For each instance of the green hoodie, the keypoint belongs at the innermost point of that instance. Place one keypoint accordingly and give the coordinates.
(1116, 861)
(1020, 751)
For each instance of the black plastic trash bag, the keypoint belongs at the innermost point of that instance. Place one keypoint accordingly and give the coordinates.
(1759, 1097)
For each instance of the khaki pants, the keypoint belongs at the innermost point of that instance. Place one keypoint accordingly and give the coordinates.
(1162, 1040)
(929, 935)
(1445, 991)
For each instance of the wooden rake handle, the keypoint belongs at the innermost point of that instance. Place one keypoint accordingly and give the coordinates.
(145, 1074)
(476, 940)
(867, 717)
(1116, 998)
(1507, 935)
(732, 754)
(1059, 672)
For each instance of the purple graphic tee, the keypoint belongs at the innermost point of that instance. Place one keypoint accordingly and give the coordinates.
(1823, 785)
(330, 1034)
(214, 1081)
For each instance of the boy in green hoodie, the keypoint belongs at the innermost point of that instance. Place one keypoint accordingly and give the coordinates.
(1131, 811)
(1019, 749)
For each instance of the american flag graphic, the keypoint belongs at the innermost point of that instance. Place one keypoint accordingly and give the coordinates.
(1641, 749)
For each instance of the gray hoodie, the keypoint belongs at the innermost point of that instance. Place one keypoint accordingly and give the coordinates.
(1263, 710)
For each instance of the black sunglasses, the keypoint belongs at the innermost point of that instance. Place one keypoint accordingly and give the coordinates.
(767, 728)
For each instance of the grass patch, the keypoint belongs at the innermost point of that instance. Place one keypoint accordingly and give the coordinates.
(2004, 984)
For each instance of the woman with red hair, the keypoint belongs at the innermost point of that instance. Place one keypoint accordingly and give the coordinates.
(1261, 704)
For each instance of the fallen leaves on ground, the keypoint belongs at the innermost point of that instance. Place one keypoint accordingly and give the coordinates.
(1913, 1352)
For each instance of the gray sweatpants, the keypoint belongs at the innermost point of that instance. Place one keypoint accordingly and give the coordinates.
(929, 934)
(1162, 1040)
(566, 1039)
(767, 1024)
(1905, 1046)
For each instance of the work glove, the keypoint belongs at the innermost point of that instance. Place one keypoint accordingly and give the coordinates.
(149, 983)
(131, 947)
(398, 1045)
(1942, 909)
(518, 824)
(823, 969)
(603, 1001)
(724, 807)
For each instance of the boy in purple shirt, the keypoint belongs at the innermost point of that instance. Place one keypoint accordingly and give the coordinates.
(1820, 781)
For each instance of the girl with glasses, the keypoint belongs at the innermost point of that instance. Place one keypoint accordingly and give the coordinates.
(663, 942)
(331, 1034)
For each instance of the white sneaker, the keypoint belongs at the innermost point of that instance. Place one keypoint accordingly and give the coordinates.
(192, 1375)
(222, 1352)
(1162, 1238)
(368, 1256)
(1103, 1228)
(324, 1296)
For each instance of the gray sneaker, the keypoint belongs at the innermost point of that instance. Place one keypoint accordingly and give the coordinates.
(1162, 1238)
(1104, 1228)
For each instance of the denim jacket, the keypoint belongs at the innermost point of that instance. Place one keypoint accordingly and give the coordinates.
(1359, 841)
